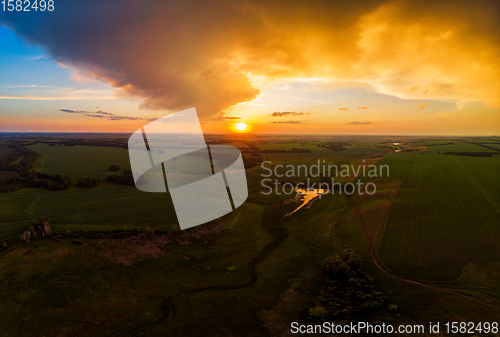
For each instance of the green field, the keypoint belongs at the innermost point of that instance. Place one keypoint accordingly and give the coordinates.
(457, 147)
(80, 161)
(253, 269)
(17, 212)
(496, 146)
(445, 214)
(365, 142)
(102, 208)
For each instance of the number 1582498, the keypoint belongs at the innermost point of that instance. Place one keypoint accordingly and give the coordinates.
(27, 5)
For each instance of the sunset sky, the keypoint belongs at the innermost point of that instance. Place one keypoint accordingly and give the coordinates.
(361, 67)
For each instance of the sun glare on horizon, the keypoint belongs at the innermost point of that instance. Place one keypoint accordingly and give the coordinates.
(241, 127)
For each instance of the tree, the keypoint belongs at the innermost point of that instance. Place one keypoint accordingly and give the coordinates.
(114, 168)
(348, 292)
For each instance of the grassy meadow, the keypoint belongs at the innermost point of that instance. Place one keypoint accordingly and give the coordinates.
(445, 214)
(80, 161)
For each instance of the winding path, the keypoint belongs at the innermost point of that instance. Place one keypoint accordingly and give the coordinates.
(278, 236)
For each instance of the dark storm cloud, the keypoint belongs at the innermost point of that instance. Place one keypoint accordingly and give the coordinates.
(179, 54)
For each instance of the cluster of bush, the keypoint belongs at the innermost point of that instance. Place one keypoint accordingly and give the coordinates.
(122, 179)
(349, 292)
(87, 182)
(51, 182)
(337, 146)
(114, 168)
(427, 145)
(334, 146)
(90, 142)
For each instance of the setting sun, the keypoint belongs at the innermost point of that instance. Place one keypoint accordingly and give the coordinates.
(241, 126)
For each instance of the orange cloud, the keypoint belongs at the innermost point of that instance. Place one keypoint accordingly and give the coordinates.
(287, 113)
(176, 55)
(222, 116)
(412, 88)
(359, 123)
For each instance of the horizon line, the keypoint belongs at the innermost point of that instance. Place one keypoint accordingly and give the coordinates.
(254, 133)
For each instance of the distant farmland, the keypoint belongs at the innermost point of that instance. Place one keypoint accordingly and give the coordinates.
(458, 146)
(446, 213)
(316, 152)
(80, 161)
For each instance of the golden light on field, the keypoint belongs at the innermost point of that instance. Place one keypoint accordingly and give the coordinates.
(241, 127)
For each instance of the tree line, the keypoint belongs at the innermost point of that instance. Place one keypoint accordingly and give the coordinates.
(25, 164)
(90, 142)
(122, 179)
(334, 146)
(87, 182)
(471, 154)
(427, 145)
(51, 182)
(6, 184)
